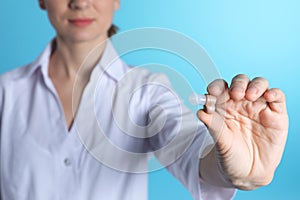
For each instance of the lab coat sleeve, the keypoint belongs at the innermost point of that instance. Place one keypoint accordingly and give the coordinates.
(180, 141)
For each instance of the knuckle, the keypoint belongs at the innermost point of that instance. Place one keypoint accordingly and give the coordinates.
(280, 93)
(239, 82)
(217, 81)
(260, 81)
(218, 84)
(241, 76)
(240, 79)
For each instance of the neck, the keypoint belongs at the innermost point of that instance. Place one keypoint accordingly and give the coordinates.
(68, 58)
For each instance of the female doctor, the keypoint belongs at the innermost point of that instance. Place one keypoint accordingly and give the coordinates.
(42, 156)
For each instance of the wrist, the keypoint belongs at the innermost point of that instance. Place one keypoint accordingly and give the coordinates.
(211, 171)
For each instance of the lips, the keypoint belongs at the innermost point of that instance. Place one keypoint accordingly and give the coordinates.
(81, 22)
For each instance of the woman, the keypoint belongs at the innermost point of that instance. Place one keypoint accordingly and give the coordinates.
(42, 156)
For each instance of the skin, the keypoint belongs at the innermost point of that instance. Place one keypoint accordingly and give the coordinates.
(250, 126)
(74, 43)
(249, 122)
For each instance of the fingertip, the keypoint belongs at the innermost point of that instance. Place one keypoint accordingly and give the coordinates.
(236, 93)
(270, 95)
(257, 87)
(204, 117)
(252, 94)
(201, 114)
(274, 95)
(217, 87)
(276, 99)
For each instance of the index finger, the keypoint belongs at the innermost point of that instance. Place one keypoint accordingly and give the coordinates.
(219, 89)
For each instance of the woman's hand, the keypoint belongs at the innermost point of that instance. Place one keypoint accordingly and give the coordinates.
(250, 126)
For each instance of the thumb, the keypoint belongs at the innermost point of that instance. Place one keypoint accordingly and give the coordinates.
(217, 128)
(213, 121)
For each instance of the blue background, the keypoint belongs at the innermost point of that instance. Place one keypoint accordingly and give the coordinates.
(258, 38)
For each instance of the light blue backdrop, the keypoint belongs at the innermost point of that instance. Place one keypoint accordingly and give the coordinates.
(258, 38)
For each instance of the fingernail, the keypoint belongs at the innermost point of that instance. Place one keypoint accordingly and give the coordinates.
(252, 90)
(216, 89)
(236, 89)
(272, 94)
